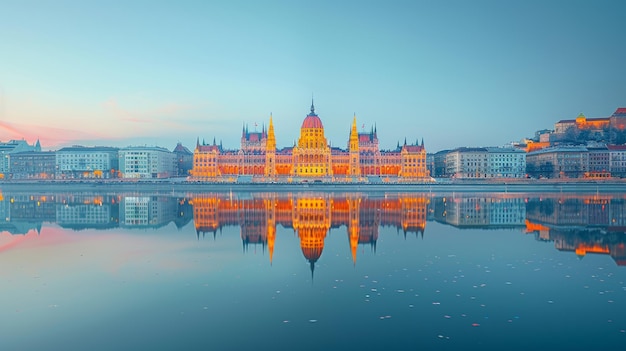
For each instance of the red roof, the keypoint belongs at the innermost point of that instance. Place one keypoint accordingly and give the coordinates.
(312, 121)
(413, 148)
(616, 147)
(620, 111)
(206, 148)
(364, 137)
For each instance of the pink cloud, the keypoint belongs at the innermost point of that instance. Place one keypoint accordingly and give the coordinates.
(49, 137)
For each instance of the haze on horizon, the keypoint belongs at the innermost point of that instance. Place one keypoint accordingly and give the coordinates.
(455, 73)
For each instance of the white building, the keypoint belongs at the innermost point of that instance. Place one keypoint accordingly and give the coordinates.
(87, 162)
(147, 162)
(505, 162)
(467, 162)
(486, 162)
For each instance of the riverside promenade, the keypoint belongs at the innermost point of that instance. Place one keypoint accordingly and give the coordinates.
(447, 186)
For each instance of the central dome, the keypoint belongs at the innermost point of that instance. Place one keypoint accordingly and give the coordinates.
(312, 121)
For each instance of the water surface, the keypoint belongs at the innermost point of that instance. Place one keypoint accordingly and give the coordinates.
(307, 271)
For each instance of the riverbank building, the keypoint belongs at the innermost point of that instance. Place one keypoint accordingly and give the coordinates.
(310, 159)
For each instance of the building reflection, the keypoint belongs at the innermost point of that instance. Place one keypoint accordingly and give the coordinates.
(581, 224)
(481, 211)
(593, 224)
(311, 216)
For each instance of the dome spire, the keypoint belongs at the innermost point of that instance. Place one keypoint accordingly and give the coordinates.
(312, 106)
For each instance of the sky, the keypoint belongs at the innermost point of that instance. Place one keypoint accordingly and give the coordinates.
(455, 73)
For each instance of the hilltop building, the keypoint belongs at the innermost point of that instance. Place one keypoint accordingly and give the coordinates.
(311, 158)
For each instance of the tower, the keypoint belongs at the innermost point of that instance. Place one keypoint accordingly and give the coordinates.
(270, 151)
(354, 168)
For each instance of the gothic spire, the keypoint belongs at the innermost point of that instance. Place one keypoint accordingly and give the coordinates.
(312, 106)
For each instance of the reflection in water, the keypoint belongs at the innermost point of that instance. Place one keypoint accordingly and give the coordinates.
(592, 224)
(577, 223)
(311, 216)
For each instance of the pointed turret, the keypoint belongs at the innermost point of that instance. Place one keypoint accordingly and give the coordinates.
(271, 138)
(355, 169)
(270, 151)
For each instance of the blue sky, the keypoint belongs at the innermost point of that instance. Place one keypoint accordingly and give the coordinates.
(456, 73)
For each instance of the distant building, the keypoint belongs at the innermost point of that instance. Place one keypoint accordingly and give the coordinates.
(87, 162)
(147, 162)
(558, 162)
(617, 160)
(486, 162)
(184, 159)
(430, 163)
(439, 160)
(14, 146)
(505, 162)
(599, 162)
(608, 129)
(33, 165)
(466, 162)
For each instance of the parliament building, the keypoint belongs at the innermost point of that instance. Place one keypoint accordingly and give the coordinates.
(310, 159)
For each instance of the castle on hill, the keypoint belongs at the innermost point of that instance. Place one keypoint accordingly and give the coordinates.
(311, 158)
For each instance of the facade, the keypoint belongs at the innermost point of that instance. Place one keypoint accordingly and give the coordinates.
(617, 160)
(599, 162)
(11, 147)
(33, 165)
(184, 159)
(558, 162)
(430, 163)
(486, 163)
(440, 164)
(147, 162)
(467, 162)
(311, 158)
(87, 162)
(506, 162)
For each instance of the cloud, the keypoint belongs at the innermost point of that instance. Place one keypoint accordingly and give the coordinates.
(48, 136)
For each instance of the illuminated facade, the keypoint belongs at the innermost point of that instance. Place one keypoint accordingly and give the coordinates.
(311, 158)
